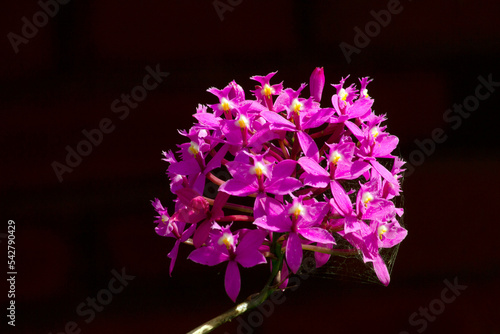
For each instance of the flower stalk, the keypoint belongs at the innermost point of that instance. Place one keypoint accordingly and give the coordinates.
(238, 310)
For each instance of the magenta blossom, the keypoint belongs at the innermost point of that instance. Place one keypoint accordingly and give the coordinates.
(270, 176)
(261, 177)
(265, 91)
(168, 228)
(242, 248)
(300, 219)
(368, 239)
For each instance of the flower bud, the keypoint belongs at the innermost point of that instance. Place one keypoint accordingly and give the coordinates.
(236, 93)
(316, 83)
(199, 204)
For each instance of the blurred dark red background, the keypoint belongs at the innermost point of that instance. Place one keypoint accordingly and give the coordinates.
(71, 235)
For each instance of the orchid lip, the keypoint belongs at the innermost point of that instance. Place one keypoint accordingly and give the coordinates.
(381, 230)
(335, 157)
(367, 197)
(226, 239)
(296, 106)
(297, 210)
(343, 94)
(242, 122)
(194, 148)
(224, 104)
(267, 90)
(258, 169)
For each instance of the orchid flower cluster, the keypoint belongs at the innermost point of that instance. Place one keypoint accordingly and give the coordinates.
(299, 177)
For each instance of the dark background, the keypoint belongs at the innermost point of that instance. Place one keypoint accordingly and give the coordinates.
(70, 235)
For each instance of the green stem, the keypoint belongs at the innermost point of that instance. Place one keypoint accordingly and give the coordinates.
(296, 147)
(233, 206)
(230, 218)
(257, 299)
(239, 207)
(325, 132)
(284, 150)
(234, 312)
(253, 301)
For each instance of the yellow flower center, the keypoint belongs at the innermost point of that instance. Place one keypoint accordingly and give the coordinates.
(343, 94)
(296, 106)
(374, 132)
(267, 91)
(367, 197)
(364, 92)
(297, 210)
(226, 239)
(194, 148)
(335, 157)
(381, 230)
(258, 169)
(164, 218)
(242, 122)
(224, 104)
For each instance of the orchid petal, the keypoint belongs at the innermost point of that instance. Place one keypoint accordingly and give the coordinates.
(186, 167)
(238, 188)
(283, 186)
(173, 256)
(247, 252)
(308, 145)
(207, 256)
(381, 270)
(232, 280)
(312, 167)
(322, 258)
(360, 107)
(284, 168)
(317, 234)
(341, 199)
(354, 129)
(293, 252)
(201, 233)
(384, 173)
(277, 121)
